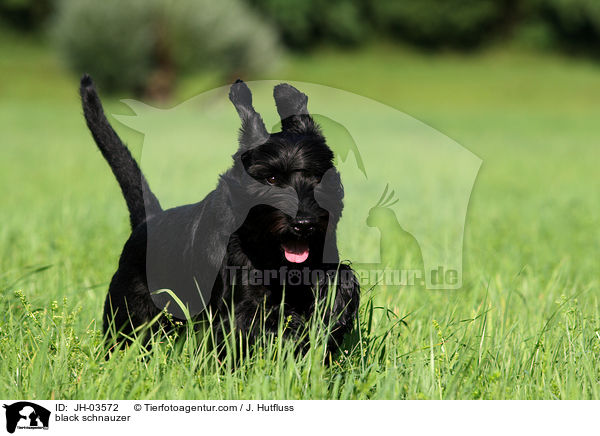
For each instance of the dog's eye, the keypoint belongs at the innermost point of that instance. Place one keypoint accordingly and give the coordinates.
(271, 180)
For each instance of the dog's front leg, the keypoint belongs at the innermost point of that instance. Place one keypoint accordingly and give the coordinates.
(344, 310)
(254, 315)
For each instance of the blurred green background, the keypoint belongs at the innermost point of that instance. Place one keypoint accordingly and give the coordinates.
(146, 47)
(515, 82)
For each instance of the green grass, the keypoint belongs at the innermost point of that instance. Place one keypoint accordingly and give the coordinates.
(526, 323)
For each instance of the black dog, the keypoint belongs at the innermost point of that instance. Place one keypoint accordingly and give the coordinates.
(263, 241)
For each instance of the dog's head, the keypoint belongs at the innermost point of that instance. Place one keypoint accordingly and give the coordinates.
(297, 157)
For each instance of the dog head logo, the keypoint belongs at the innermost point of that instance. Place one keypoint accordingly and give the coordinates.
(26, 415)
(426, 178)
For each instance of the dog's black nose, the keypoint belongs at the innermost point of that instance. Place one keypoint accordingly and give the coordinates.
(304, 226)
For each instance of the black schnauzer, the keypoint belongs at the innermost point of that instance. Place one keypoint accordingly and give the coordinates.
(259, 248)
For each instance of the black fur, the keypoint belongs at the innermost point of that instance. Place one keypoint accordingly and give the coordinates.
(141, 202)
(282, 193)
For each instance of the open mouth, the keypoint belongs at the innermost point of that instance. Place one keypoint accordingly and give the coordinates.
(296, 251)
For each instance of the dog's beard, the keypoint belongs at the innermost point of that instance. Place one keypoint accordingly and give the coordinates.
(269, 239)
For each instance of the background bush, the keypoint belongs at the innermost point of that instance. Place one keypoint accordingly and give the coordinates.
(576, 24)
(435, 23)
(143, 45)
(303, 23)
(25, 14)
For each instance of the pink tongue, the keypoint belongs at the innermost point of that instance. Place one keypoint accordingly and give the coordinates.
(296, 254)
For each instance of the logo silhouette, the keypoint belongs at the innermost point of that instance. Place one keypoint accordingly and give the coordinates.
(399, 250)
(373, 144)
(26, 415)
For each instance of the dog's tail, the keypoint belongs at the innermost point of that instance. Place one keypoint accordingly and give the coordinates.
(141, 202)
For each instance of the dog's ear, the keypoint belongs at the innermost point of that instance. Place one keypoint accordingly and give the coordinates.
(253, 131)
(293, 111)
